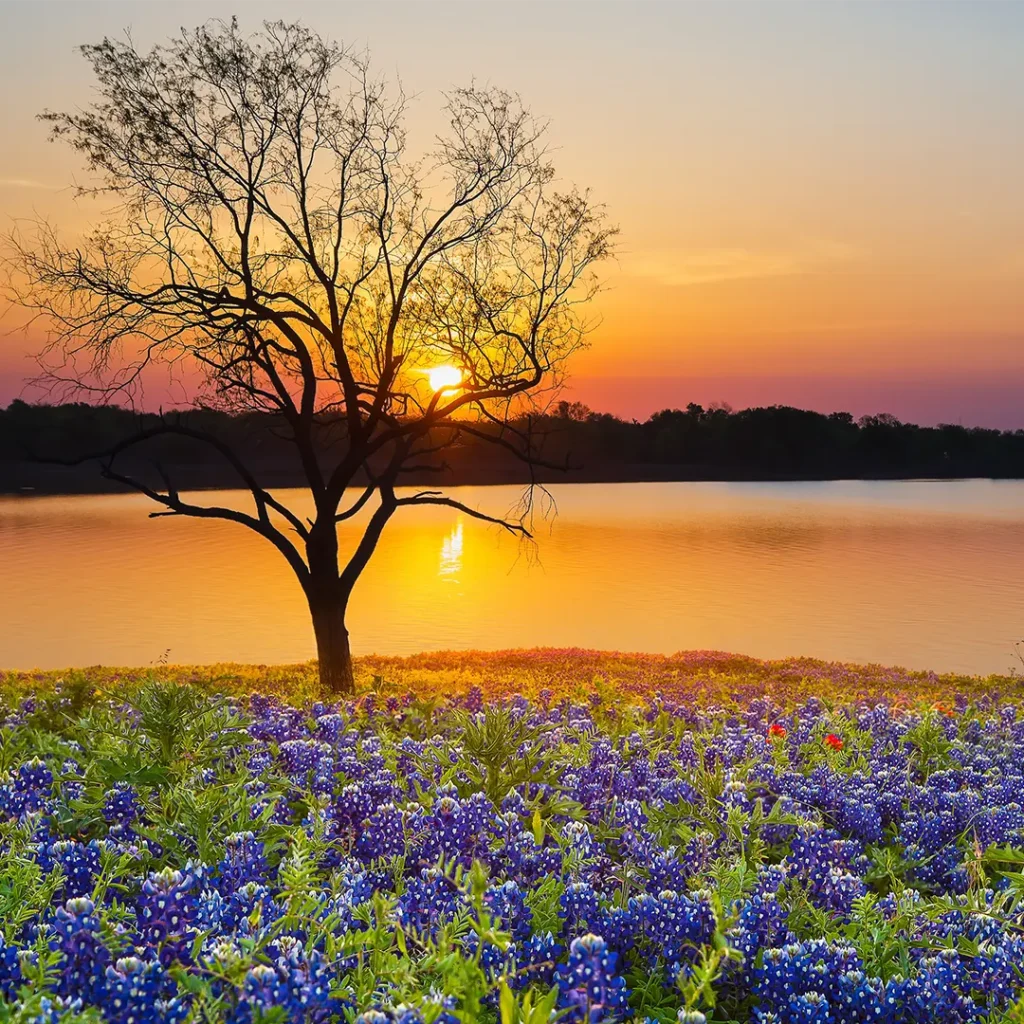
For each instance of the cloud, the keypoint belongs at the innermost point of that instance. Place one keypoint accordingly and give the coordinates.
(26, 183)
(682, 267)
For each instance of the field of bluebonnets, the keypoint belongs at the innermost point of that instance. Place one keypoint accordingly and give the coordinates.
(523, 837)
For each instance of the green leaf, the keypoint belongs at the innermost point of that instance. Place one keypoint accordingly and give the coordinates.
(538, 827)
(507, 1004)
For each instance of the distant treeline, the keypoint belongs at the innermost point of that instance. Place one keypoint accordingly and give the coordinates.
(694, 443)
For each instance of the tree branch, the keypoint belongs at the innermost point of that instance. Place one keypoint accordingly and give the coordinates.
(436, 498)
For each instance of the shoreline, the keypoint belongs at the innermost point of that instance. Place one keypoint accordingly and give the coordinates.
(701, 676)
(17, 484)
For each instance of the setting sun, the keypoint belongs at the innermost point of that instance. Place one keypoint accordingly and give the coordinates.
(444, 378)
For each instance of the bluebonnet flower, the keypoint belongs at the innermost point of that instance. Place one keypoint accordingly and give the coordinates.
(27, 790)
(578, 839)
(535, 960)
(589, 986)
(329, 726)
(760, 924)
(138, 990)
(830, 866)
(76, 935)
(10, 969)
(122, 805)
(519, 855)
(507, 902)
(427, 901)
(166, 910)
(297, 983)
(675, 926)
(580, 906)
(382, 835)
(244, 861)
(79, 862)
(245, 902)
(667, 870)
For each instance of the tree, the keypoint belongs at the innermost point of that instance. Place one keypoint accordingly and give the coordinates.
(272, 240)
(576, 411)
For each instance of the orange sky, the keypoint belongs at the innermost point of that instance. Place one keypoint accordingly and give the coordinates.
(820, 204)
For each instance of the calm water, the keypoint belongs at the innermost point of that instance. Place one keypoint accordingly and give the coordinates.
(921, 574)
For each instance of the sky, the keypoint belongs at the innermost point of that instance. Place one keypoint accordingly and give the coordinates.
(820, 204)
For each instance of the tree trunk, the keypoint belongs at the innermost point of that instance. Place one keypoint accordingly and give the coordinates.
(332, 650)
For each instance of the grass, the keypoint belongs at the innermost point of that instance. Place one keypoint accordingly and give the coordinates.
(701, 676)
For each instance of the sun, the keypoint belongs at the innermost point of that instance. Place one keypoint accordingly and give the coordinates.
(444, 378)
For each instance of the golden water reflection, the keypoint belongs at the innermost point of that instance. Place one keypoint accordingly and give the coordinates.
(451, 553)
(923, 574)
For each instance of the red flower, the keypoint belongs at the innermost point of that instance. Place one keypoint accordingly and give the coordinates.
(834, 741)
(776, 731)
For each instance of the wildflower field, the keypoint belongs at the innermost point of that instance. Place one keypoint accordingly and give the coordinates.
(520, 837)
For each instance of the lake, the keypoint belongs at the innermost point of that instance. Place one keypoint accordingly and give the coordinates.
(917, 573)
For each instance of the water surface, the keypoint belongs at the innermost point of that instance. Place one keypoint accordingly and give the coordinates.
(923, 574)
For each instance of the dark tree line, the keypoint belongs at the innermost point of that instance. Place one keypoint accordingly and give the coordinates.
(776, 442)
(783, 442)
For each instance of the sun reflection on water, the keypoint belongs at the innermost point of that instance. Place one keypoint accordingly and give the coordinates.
(451, 554)
(895, 573)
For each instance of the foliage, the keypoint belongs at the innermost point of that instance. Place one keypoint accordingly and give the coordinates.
(692, 443)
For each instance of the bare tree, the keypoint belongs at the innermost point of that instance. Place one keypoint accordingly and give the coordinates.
(270, 234)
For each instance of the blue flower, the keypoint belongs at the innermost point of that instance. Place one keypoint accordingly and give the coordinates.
(589, 987)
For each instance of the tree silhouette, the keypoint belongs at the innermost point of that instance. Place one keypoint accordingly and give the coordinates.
(272, 241)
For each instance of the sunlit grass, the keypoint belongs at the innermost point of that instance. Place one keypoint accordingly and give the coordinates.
(705, 677)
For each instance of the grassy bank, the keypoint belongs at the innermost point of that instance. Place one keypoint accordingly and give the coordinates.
(704, 677)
